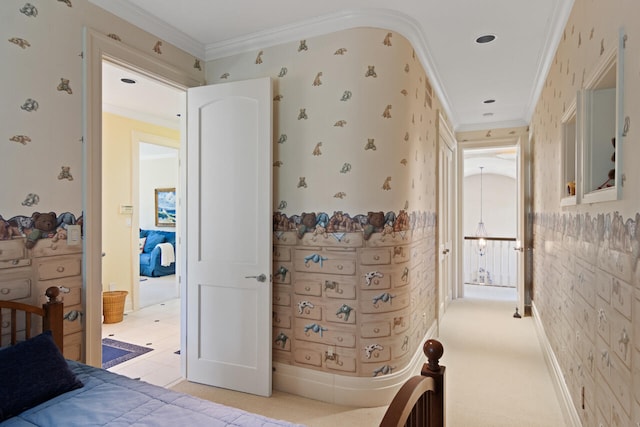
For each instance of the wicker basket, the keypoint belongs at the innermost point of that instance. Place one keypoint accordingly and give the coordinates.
(113, 306)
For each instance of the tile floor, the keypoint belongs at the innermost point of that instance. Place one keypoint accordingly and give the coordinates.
(156, 326)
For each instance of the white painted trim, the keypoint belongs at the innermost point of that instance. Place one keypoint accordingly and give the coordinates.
(138, 17)
(554, 32)
(96, 48)
(362, 392)
(566, 403)
(142, 117)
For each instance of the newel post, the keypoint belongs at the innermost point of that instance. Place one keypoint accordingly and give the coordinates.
(434, 350)
(53, 316)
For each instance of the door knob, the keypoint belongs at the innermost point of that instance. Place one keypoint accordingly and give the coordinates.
(260, 278)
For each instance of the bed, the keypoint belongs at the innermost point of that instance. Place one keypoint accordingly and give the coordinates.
(38, 387)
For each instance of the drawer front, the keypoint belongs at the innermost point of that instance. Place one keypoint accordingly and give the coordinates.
(73, 319)
(282, 318)
(340, 312)
(308, 287)
(70, 292)
(333, 286)
(281, 297)
(281, 253)
(341, 360)
(375, 329)
(282, 273)
(308, 357)
(585, 283)
(282, 339)
(401, 254)
(620, 264)
(12, 249)
(49, 248)
(621, 296)
(375, 256)
(621, 338)
(72, 349)
(375, 279)
(332, 262)
(13, 289)
(323, 333)
(383, 302)
(308, 308)
(56, 268)
(15, 263)
(375, 351)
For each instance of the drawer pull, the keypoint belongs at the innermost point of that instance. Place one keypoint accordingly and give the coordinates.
(15, 262)
(307, 288)
(376, 257)
(5, 291)
(307, 357)
(60, 269)
(339, 339)
(376, 330)
(340, 267)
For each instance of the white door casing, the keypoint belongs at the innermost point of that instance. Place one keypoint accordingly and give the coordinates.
(228, 236)
(447, 217)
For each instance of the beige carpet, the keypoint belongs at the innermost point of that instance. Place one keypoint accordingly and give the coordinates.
(496, 376)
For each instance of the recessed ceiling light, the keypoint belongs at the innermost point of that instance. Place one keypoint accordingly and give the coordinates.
(486, 38)
(489, 101)
(128, 81)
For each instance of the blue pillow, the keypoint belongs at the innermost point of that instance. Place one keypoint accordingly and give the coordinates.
(32, 372)
(153, 239)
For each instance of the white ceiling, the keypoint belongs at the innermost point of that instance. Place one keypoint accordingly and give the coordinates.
(510, 70)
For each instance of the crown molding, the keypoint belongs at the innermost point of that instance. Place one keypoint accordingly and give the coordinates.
(555, 28)
(326, 24)
(138, 17)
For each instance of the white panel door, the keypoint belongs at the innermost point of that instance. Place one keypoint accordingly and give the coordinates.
(446, 217)
(228, 236)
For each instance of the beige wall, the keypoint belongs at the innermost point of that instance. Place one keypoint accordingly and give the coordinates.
(55, 128)
(586, 277)
(120, 138)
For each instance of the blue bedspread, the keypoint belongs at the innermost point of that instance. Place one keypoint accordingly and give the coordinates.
(108, 399)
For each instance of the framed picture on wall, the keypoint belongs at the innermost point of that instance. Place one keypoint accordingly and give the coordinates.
(165, 207)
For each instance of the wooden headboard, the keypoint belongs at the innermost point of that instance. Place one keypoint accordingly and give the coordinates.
(50, 312)
(420, 400)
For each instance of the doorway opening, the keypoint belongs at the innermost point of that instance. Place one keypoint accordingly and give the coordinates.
(140, 160)
(489, 190)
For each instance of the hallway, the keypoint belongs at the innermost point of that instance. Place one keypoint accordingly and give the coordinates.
(496, 374)
(496, 371)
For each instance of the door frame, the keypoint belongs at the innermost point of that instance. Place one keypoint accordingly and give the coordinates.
(521, 142)
(446, 136)
(96, 48)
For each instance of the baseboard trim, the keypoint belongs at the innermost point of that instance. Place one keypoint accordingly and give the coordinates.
(344, 390)
(566, 403)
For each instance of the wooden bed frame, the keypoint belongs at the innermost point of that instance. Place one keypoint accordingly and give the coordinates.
(418, 403)
(51, 314)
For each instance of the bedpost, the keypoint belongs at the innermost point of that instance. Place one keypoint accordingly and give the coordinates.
(434, 350)
(53, 316)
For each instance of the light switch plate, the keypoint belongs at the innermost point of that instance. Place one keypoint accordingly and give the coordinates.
(73, 235)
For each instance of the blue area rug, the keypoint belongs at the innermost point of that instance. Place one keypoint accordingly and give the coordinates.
(115, 352)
